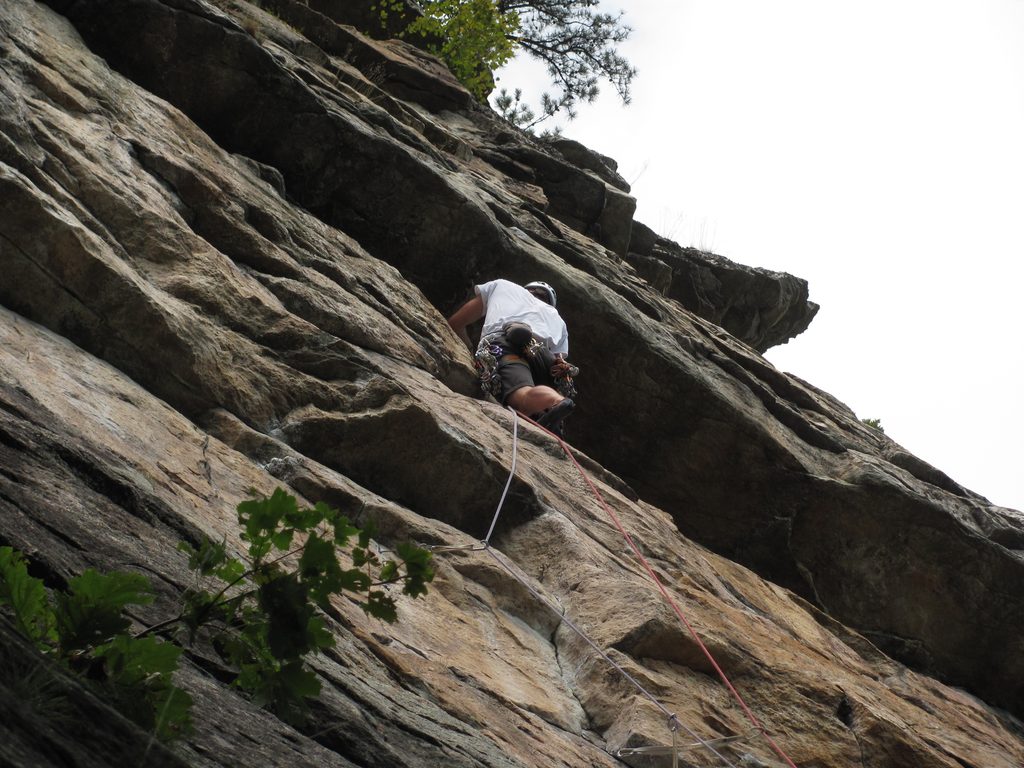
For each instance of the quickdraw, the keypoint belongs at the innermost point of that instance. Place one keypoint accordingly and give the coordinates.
(488, 352)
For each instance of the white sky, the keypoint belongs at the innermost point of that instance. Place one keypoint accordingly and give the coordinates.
(874, 148)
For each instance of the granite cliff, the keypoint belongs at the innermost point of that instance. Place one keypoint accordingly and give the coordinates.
(228, 239)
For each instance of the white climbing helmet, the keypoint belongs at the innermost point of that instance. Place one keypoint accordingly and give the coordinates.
(552, 298)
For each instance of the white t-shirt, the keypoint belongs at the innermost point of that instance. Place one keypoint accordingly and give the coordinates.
(506, 302)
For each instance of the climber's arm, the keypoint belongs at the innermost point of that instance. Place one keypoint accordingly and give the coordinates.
(466, 315)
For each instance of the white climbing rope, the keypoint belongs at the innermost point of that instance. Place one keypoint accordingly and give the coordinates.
(511, 474)
(485, 543)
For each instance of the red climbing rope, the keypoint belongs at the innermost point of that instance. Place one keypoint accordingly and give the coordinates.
(661, 588)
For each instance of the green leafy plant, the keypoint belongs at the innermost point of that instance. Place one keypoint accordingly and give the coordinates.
(391, 12)
(874, 424)
(577, 44)
(476, 37)
(86, 628)
(262, 613)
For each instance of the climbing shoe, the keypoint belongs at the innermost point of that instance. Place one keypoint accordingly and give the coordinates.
(553, 416)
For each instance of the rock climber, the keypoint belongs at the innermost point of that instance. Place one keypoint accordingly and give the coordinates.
(522, 351)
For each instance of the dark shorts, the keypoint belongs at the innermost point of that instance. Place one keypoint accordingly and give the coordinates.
(515, 374)
(515, 366)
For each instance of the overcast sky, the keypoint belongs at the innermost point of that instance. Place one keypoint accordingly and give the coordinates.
(874, 148)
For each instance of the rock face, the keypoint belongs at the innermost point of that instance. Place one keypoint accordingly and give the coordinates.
(228, 239)
(760, 307)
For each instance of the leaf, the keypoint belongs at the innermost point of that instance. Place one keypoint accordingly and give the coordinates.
(210, 555)
(133, 660)
(418, 568)
(283, 540)
(281, 688)
(319, 634)
(354, 580)
(343, 530)
(380, 605)
(262, 516)
(299, 681)
(368, 532)
(477, 38)
(306, 519)
(231, 571)
(116, 589)
(285, 602)
(326, 511)
(288, 689)
(259, 550)
(244, 650)
(91, 611)
(319, 568)
(413, 555)
(196, 610)
(317, 557)
(359, 557)
(254, 679)
(138, 676)
(212, 559)
(188, 549)
(27, 597)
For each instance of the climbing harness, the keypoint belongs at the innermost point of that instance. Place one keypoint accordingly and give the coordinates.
(536, 355)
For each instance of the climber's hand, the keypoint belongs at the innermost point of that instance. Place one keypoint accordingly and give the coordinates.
(563, 368)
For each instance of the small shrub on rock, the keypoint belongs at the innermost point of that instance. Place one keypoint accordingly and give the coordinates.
(262, 613)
